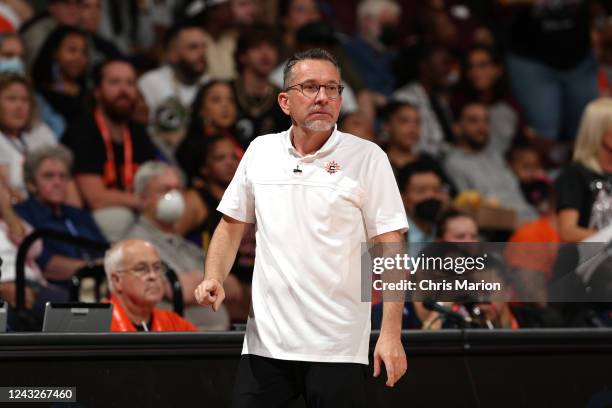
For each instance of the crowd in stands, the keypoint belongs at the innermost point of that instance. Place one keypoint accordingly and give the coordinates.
(123, 122)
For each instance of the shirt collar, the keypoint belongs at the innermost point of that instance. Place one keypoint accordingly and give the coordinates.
(329, 145)
(46, 210)
(148, 224)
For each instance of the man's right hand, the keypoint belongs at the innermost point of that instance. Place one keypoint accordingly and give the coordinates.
(210, 292)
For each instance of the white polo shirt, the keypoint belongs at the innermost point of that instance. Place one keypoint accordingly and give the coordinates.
(310, 225)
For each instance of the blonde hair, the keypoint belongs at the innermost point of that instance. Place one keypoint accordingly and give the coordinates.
(596, 121)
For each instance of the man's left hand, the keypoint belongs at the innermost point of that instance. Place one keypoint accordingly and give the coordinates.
(390, 351)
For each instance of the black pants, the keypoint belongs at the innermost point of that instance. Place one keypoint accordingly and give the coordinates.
(269, 383)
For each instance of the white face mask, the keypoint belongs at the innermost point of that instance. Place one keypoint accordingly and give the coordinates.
(12, 66)
(170, 207)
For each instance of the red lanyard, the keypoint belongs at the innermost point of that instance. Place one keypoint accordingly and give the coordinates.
(110, 170)
(603, 82)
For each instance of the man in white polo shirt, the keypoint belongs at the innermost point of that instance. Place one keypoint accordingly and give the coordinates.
(315, 195)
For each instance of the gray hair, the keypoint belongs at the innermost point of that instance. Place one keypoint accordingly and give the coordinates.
(374, 8)
(312, 54)
(147, 172)
(113, 258)
(37, 156)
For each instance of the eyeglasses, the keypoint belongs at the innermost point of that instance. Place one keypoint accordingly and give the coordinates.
(311, 89)
(143, 269)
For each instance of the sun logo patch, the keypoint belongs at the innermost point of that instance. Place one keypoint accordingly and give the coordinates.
(332, 167)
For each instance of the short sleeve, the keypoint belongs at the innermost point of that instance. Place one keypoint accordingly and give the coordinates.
(238, 201)
(382, 210)
(566, 188)
(143, 147)
(456, 173)
(5, 155)
(147, 87)
(85, 142)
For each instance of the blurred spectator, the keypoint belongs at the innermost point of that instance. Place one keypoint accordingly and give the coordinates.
(59, 72)
(544, 229)
(429, 94)
(161, 16)
(484, 81)
(293, 15)
(108, 147)
(458, 227)
(38, 291)
(425, 196)
(356, 95)
(13, 13)
(258, 110)
(584, 190)
(526, 165)
(209, 167)
(36, 31)
(474, 167)
(129, 23)
(540, 254)
(215, 17)
(213, 113)
(100, 48)
(321, 35)
(372, 50)
(433, 28)
(12, 232)
(21, 132)
(356, 123)
(246, 12)
(47, 174)
(550, 63)
(473, 21)
(158, 186)
(170, 89)
(90, 15)
(135, 276)
(12, 53)
(402, 126)
(537, 189)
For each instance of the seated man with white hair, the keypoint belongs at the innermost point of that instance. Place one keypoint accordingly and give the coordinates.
(134, 273)
(157, 185)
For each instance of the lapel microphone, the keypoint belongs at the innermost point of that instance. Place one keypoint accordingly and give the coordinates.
(297, 169)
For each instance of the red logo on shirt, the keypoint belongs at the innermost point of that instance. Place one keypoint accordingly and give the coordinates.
(332, 167)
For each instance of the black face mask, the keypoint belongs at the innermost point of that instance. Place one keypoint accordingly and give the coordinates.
(389, 35)
(535, 192)
(428, 210)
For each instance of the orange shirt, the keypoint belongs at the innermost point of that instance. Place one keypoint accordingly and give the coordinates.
(603, 83)
(535, 257)
(163, 320)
